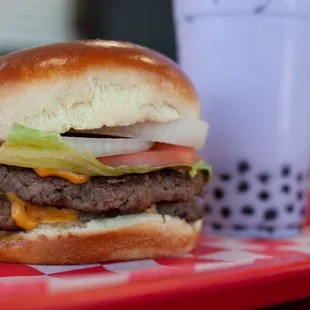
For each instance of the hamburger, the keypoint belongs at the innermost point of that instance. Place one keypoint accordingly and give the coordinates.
(98, 156)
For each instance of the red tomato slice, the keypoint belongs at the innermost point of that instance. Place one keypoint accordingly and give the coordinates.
(170, 147)
(160, 154)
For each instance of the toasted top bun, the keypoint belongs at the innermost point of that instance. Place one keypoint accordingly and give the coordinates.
(122, 238)
(89, 84)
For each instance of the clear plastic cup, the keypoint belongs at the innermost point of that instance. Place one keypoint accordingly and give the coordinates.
(250, 62)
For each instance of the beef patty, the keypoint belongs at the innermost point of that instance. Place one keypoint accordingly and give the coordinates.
(188, 211)
(131, 193)
(6, 222)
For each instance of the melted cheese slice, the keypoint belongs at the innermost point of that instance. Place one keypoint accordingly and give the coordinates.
(28, 216)
(69, 176)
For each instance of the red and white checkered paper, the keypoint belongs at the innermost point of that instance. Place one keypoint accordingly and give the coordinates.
(212, 253)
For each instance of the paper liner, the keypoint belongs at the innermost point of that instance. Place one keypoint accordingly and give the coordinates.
(212, 253)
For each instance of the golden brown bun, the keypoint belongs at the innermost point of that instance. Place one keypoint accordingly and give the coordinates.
(123, 238)
(89, 84)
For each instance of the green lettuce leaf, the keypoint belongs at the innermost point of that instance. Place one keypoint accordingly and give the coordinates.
(33, 148)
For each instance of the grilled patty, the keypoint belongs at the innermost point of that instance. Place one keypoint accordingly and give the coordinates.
(188, 211)
(6, 223)
(170, 189)
(131, 193)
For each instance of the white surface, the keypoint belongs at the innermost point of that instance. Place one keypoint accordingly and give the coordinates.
(234, 256)
(125, 267)
(50, 269)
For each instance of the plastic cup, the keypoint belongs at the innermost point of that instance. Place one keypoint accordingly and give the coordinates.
(249, 61)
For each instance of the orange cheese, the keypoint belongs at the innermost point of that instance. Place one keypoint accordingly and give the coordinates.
(28, 216)
(70, 176)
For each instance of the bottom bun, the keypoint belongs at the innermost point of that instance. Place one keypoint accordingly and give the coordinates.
(122, 238)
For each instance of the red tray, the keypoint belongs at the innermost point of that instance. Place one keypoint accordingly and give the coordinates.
(221, 273)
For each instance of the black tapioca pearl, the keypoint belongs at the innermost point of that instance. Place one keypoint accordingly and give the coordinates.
(293, 226)
(303, 211)
(264, 178)
(270, 214)
(247, 210)
(239, 227)
(286, 170)
(189, 18)
(225, 212)
(218, 193)
(263, 195)
(225, 177)
(243, 186)
(300, 195)
(300, 177)
(285, 188)
(268, 228)
(243, 166)
(289, 208)
(216, 226)
(208, 208)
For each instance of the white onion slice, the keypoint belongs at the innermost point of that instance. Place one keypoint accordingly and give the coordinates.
(100, 147)
(186, 132)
